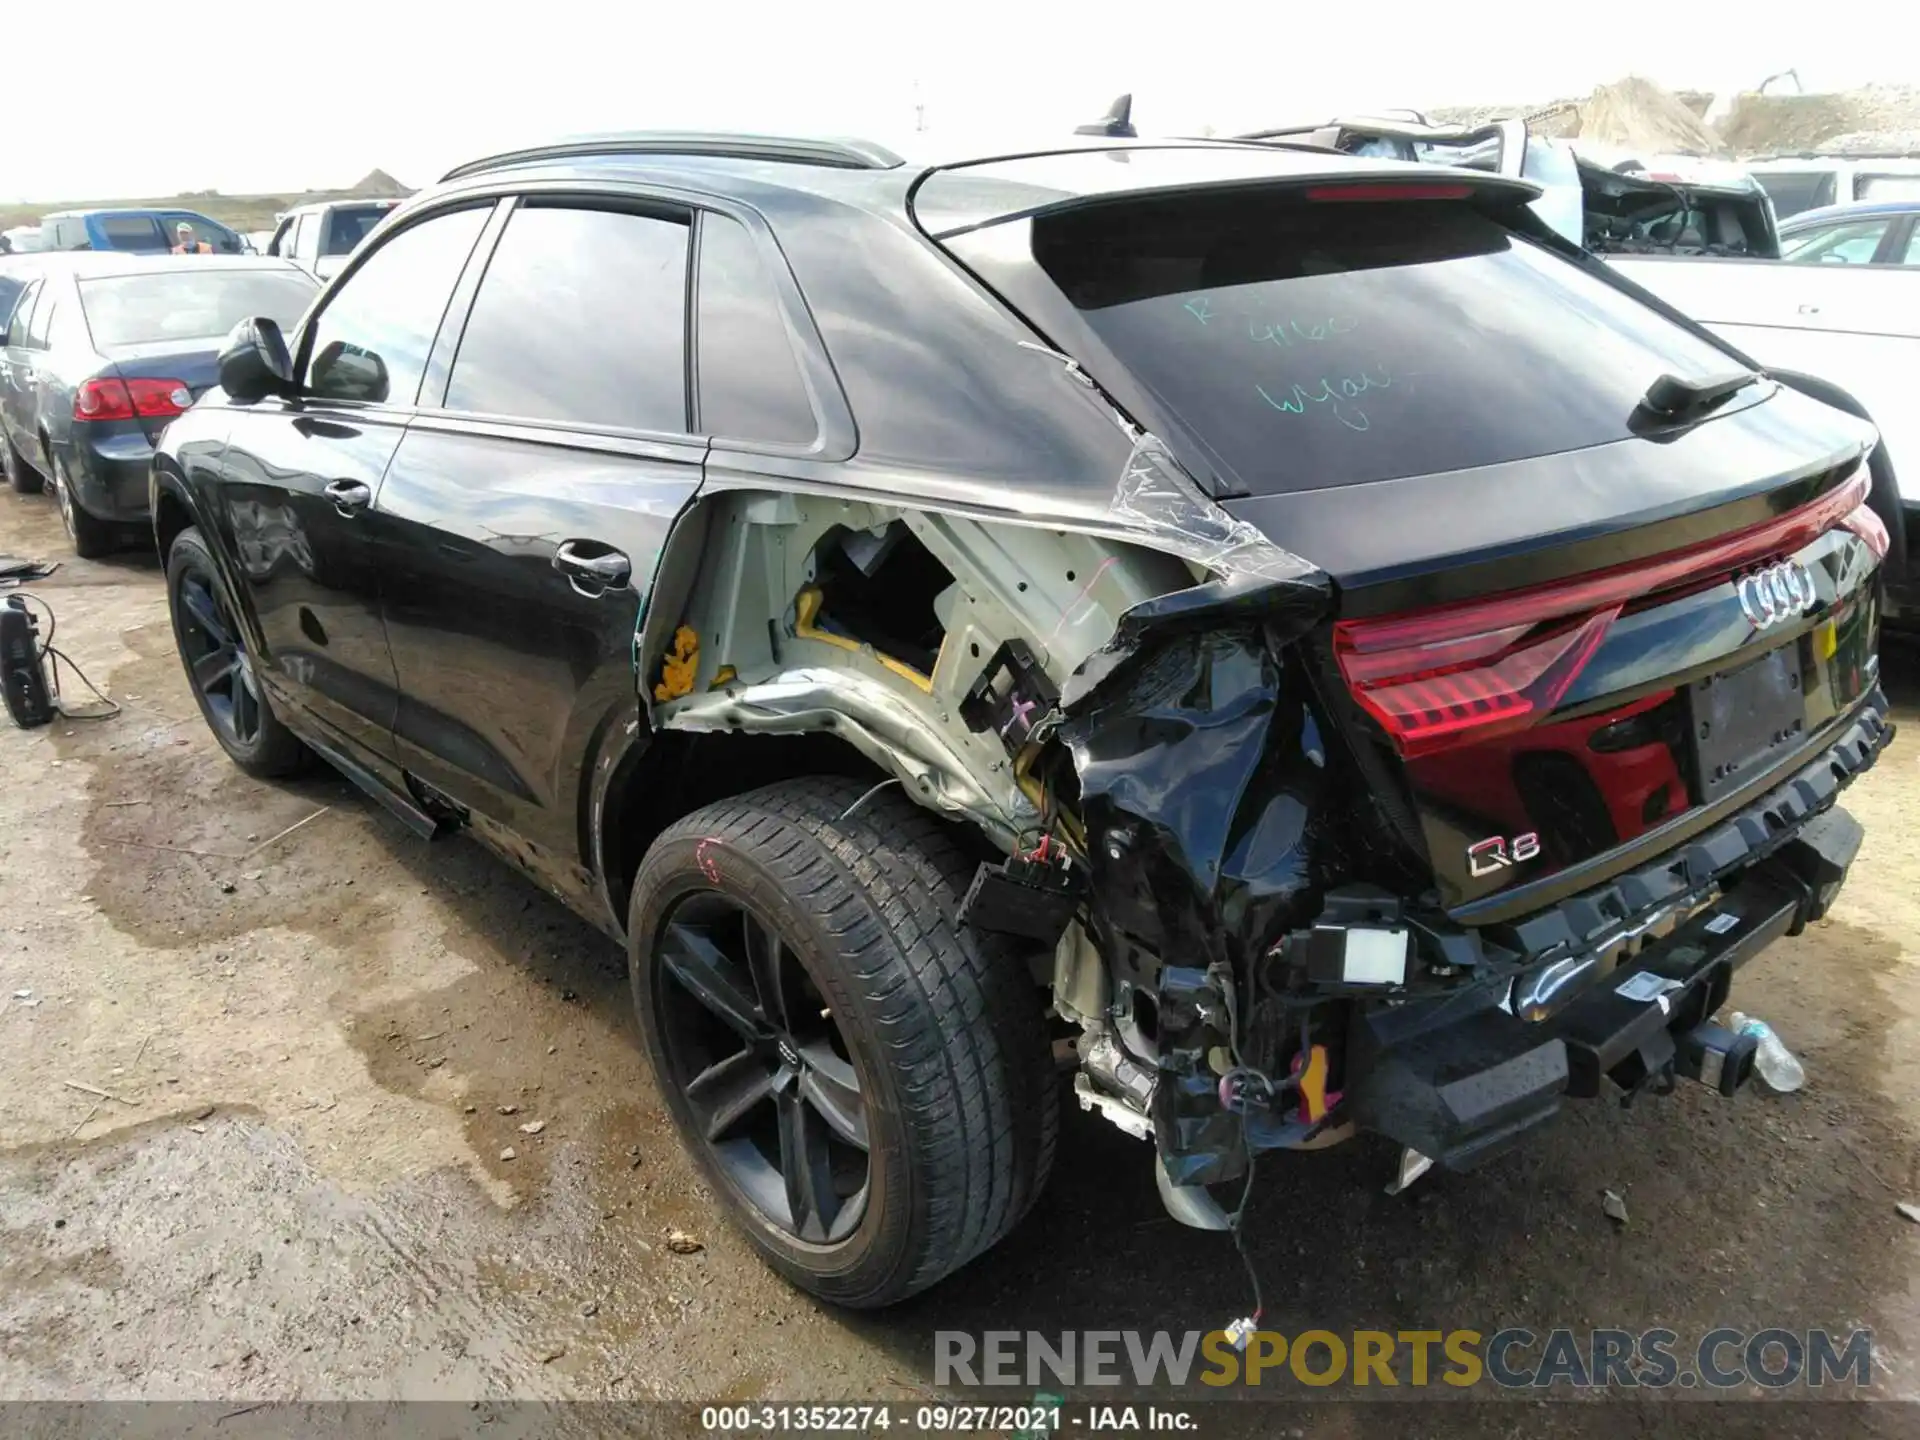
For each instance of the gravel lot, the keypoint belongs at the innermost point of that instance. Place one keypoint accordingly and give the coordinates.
(318, 1051)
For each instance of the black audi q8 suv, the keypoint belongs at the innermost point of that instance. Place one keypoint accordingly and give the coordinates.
(1280, 635)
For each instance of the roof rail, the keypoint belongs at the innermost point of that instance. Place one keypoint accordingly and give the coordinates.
(835, 154)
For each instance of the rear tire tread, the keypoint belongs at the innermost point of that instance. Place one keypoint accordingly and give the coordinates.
(966, 1023)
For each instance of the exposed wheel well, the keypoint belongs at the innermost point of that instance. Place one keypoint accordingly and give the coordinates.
(170, 517)
(676, 773)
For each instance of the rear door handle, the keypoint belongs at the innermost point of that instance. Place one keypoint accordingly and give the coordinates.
(350, 497)
(592, 575)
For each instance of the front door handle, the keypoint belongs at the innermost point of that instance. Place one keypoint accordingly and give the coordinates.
(350, 497)
(592, 574)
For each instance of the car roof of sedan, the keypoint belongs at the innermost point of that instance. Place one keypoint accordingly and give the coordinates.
(105, 264)
(977, 183)
(1854, 210)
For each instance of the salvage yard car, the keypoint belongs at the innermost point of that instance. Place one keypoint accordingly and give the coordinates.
(1605, 199)
(101, 352)
(1847, 334)
(1285, 626)
(319, 237)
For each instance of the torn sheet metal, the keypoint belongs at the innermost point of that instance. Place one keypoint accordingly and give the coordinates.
(1253, 578)
(887, 727)
(1156, 495)
(1200, 769)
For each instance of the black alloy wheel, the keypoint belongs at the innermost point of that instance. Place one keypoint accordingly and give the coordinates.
(221, 670)
(866, 1084)
(217, 659)
(753, 1047)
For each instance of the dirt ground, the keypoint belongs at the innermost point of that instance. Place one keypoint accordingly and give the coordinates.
(256, 1089)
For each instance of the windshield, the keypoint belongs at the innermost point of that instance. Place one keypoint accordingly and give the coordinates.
(348, 225)
(1309, 345)
(189, 304)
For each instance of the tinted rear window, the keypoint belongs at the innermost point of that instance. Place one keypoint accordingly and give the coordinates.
(348, 225)
(189, 304)
(1796, 191)
(1309, 345)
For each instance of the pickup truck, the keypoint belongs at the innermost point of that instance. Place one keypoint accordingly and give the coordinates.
(319, 237)
(1855, 328)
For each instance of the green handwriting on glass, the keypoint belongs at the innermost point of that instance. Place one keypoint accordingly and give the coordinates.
(1286, 333)
(1289, 333)
(1335, 395)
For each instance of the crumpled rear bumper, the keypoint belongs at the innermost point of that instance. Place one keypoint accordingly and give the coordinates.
(1461, 1078)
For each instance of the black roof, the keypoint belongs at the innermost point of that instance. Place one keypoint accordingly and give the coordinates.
(949, 187)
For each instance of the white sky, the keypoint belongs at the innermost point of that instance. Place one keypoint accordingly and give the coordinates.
(142, 97)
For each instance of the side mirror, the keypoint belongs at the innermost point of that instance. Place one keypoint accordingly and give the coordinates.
(255, 362)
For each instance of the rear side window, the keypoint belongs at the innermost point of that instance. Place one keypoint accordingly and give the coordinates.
(132, 232)
(1850, 243)
(1887, 187)
(1798, 190)
(750, 386)
(1309, 345)
(581, 318)
(190, 304)
(371, 342)
(42, 325)
(23, 315)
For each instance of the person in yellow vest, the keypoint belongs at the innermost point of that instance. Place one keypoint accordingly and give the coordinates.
(185, 244)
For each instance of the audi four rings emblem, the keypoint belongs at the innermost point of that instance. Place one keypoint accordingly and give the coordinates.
(1777, 593)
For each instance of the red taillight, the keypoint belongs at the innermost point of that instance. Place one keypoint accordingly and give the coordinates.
(1389, 192)
(1485, 667)
(116, 399)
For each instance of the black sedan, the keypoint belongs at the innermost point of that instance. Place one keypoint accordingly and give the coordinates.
(102, 350)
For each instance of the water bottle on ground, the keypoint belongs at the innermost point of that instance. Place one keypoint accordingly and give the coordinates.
(1776, 1063)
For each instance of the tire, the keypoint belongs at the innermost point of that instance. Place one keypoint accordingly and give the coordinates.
(22, 479)
(92, 537)
(944, 1030)
(233, 703)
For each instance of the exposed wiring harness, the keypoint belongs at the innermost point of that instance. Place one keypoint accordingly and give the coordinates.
(106, 709)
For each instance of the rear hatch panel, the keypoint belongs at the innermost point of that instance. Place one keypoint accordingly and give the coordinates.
(1389, 380)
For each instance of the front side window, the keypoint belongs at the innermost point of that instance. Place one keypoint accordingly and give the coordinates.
(581, 318)
(371, 343)
(1850, 243)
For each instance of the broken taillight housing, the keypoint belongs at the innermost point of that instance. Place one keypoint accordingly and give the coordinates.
(1467, 672)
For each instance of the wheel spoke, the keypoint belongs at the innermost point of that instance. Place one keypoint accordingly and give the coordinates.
(712, 979)
(830, 1085)
(199, 601)
(723, 1093)
(246, 711)
(807, 1167)
(215, 667)
(763, 960)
